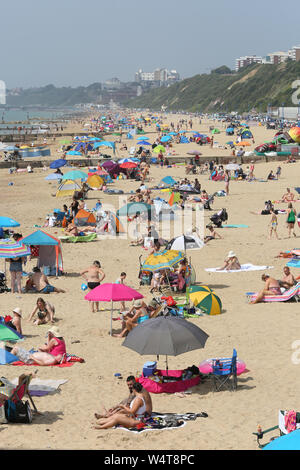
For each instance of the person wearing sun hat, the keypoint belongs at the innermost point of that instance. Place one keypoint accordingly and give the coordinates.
(15, 322)
(231, 262)
(140, 315)
(49, 354)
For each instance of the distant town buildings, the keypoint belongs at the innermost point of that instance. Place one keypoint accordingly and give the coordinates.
(157, 78)
(273, 58)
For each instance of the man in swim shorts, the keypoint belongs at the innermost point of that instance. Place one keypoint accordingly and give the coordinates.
(40, 282)
(94, 275)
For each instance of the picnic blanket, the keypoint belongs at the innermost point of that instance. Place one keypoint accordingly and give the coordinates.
(244, 268)
(159, 421)
(80, 238)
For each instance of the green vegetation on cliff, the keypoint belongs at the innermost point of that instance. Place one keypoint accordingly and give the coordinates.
(254, 87)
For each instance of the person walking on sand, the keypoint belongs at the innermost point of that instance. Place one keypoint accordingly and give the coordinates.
(227, 179)
(273, 224)
(291, 219)
(94, 275)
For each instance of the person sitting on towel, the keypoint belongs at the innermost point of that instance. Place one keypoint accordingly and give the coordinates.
(271, 287)
(231, 263)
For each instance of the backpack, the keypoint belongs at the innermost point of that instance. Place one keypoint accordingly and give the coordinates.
(19, 412)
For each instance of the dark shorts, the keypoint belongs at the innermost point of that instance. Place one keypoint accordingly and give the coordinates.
(92, 285)
(47, 289)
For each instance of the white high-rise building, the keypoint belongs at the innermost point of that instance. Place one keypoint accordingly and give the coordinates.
(247, 60)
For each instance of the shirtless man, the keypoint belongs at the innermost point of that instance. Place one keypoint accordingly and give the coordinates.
(271, 287)
(288, 196)
(40, 282)
(288, 279)
(94, 275)
(116, 409)
(212, 234)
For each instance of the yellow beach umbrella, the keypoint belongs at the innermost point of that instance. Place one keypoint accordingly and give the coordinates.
(163, 260)
(95, 181)
(205, 299)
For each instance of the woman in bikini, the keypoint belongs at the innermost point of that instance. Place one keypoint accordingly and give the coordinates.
(272, 287)
(140, 315)
(44, 311)
(129, 416)
(273, 225)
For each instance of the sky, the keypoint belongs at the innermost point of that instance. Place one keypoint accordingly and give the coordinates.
(79, 42)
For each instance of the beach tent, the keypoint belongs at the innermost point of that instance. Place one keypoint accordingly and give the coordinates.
(50, 253)
(95, 181)
(67, 188)
(116, 225)
(246, 134)
(84, 218)
(184, 140)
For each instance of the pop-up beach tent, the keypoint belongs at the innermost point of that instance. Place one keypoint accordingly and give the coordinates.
(50, 253)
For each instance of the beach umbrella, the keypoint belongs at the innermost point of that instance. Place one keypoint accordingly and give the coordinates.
(185, 242)
(95, 181)
(54, 177)
(194, 152)
(144, 142)
(165, 335)
(133, 208)
(159, 148)
(58, 163)
(111, 292)
(127, 160)
(143, 138)
(163, 260)
(166, 138)
(128, 165)
(290, 441)
(74, 175)
(9, 334)
(12, 249)
(205, 299)
(8, 222)
(242, 144)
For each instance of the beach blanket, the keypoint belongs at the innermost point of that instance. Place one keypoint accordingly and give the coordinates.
(70, 360)
(159, 421)
(80, 238)
(41, 387)
(294, 263)
(244, 268)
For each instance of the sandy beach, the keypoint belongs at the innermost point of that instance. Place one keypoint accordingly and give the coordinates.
(262, 334)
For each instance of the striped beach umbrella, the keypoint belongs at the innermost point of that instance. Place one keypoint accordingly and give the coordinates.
(205, 299)
(163, 260)
(12, 249)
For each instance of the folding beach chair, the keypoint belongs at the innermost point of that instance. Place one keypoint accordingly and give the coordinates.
(24, 389)
(224, 372)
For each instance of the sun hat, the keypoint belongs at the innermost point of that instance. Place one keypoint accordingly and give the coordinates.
(137, 303)
(18, 311)
(55, 331)
(231, 254)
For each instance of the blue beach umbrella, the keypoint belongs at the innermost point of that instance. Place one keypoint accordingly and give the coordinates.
(74, 175)
(58, 163)
(143, 142)
(8, 222)
(289, 441)
(74, 152)
(53, 177)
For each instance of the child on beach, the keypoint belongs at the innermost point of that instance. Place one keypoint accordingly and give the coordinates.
(273, 224)
(121, 280)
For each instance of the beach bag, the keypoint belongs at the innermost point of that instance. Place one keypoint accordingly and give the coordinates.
(19, 412)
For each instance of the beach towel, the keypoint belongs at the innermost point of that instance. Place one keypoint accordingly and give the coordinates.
(235, 226)
(282, 421)
(290, 421)
(159, 421)
(70, 359)
(244, 268)
(80, 238)
(294, 263)
(41, 387)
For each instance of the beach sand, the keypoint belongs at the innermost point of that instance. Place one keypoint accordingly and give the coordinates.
(262, 334)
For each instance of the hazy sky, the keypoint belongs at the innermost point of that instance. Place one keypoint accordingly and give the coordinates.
(79, 42)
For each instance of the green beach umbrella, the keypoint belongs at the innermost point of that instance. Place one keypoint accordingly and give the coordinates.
(9, 334)
(205, 299)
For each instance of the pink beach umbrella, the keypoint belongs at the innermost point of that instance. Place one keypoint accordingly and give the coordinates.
(111, 292)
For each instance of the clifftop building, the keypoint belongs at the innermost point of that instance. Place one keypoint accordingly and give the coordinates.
(159, 77)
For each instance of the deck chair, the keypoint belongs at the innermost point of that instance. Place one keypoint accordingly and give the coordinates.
(292, 293)
(18, 393)
(224, 373)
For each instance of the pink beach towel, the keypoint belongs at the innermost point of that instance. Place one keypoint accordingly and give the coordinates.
(169, 387)
(290, 421)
